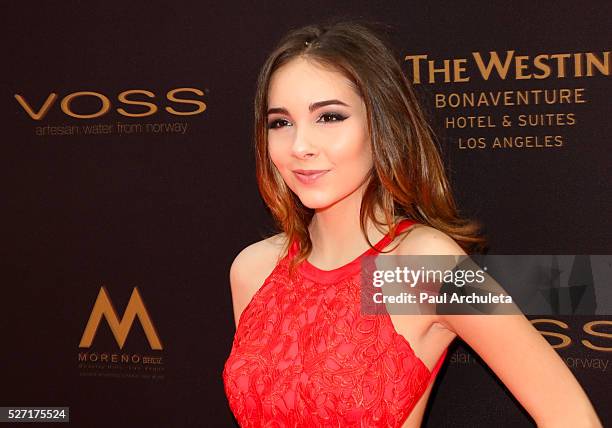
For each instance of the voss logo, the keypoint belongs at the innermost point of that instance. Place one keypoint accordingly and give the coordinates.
(126, 99)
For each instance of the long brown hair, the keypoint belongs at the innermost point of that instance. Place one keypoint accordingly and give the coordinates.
(407, 179)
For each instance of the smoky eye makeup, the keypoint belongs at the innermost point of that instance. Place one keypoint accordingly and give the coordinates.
(274, 124)
(332, 117)
(327, 117)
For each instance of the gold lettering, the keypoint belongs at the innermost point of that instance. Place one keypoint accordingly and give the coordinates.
(171, 96)
(565, 340)
(560, 63)
(123, 97)
(104, 308)
(578, 65)
(539, 63)
(588, 328)
(416, 71)
(445, 69)
(68, 99)
(42, 112)
(458, 69)
(520, 66)
(494, 61)
(541, 66)
(603, 66)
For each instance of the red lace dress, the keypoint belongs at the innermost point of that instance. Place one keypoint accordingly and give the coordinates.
(304, 355)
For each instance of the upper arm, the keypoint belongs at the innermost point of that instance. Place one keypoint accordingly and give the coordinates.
(248, 271)
(241, 284)
(518, 354)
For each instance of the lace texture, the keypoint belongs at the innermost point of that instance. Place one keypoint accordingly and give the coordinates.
(304, 355)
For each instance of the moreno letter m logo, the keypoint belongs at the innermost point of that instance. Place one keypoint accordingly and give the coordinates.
(104, 308)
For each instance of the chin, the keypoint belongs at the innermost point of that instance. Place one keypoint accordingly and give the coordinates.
(318, 199)
(316, 203)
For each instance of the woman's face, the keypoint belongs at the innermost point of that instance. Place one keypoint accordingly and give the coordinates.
(317, 133)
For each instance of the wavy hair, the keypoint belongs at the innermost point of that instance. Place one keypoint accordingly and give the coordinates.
(407, 179)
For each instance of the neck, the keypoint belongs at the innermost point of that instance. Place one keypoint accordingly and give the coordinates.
(336, 234)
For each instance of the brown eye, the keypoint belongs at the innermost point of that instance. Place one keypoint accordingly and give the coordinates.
(277, 124)
(332, 117)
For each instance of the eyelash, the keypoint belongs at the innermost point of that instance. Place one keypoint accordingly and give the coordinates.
(337, 116)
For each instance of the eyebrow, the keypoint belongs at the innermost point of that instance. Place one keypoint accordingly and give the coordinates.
(312, 107)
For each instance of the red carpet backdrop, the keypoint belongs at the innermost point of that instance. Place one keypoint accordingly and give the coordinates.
(128, 187)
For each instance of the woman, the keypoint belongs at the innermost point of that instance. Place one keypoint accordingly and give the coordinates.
(345, 158)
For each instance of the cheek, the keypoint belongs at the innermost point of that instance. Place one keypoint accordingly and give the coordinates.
(353, 151)
(280, 156)
(276, 153)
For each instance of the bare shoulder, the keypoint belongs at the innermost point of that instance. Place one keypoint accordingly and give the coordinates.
(251, 267)
(259, 254)
(423, 240)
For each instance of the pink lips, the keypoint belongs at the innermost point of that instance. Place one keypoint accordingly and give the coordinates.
(309, 176)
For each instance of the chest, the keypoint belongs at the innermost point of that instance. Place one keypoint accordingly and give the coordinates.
(305, 351)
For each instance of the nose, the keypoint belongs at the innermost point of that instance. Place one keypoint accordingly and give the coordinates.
(302, 144)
